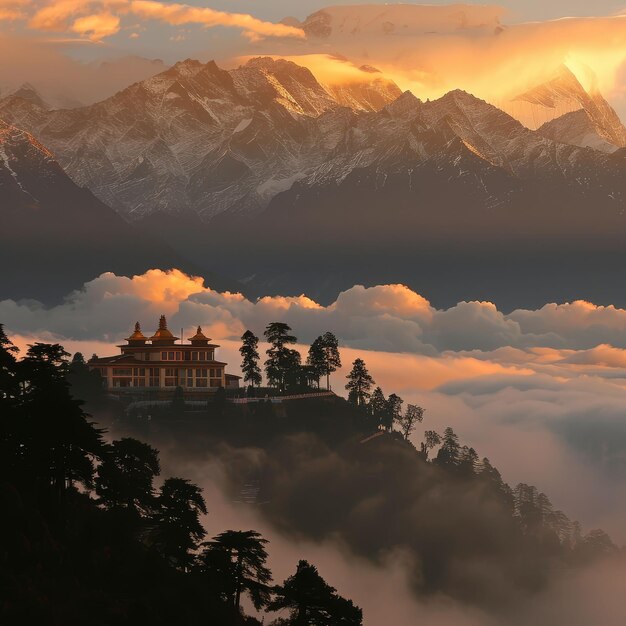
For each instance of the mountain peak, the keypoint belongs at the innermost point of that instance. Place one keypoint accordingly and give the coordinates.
(27, 92)
(188, 67)
(407, 102)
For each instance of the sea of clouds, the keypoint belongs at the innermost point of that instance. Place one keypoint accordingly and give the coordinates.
(542, 393)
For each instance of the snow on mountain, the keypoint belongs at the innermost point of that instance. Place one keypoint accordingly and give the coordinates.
(550, 106)
(195, 136)
(198, 138)
(577, 128)
(21, 155)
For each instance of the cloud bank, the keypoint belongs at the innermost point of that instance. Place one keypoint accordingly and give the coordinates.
(546, 384)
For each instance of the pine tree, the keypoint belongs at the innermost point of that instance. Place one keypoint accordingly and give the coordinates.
(311, 601)
(378, 405)
(250, 358)
(359, 383)
(282, 361)
(316, 358)
(393, 411)
(243, 558)
(450, 451)
(331, 361)
(178, 527)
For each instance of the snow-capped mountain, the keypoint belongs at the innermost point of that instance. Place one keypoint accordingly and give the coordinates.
(202, 139)
(564, 111)
(196, 136)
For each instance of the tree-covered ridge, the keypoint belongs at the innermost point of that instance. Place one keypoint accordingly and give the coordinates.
(88, 536)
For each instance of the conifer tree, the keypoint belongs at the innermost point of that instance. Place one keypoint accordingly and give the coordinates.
(393, 411)
(324, 356)
(243, 557)
(359, 383)
(282, 362)
(316, 358)
(378, 405)
(177, 518)
(311, 601)
(250, 358)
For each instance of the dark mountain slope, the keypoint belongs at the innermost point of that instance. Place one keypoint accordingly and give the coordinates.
(55, 235)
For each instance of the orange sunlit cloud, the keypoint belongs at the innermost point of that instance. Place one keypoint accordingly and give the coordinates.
(98, 19)
(495, 63)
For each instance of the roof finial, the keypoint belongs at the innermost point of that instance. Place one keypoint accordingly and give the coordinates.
(162, 323)
(137, 327)
(199, 330)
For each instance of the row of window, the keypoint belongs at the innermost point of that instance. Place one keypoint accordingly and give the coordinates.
(191, 355)
(171, 381)
(202, 372)
(174, 376)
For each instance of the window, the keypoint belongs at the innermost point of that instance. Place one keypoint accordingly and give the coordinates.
(170, 382)
(194, 355)
(163, 356)
(187, 356)
(122, 371)
(139, 371)
(178, 356)
(171, 371)
(201, 382)
(201, 356)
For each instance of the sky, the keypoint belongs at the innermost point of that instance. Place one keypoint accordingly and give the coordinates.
(433, 49)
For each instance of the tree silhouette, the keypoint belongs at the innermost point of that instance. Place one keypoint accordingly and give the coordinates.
(311, 601)
(359, 383)
(378, 405)
(412, 416)
(179, 505)
(247, 573)
(250, 358)
(58, 445)
(393, 411)
(324, 356)
(316, 358)
(431, 440)
(450, 451)
(126, 475)
(281, 360)
(84, 383)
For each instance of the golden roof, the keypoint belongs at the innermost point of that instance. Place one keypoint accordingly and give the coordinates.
(163, 334)
(199, 336)
(137, 335)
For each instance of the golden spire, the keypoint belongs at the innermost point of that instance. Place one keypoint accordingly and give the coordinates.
(163, 335)
(137, 336)
(199, 338)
